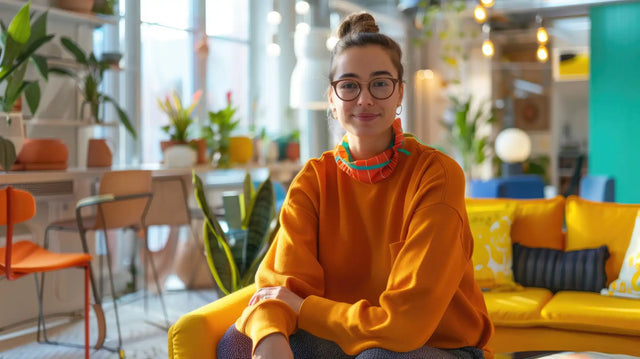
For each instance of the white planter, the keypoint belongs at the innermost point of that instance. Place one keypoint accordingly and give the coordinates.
(12, 128)
(180, 156)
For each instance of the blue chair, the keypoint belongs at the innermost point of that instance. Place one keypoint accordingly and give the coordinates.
(599, 188)
(520, 186)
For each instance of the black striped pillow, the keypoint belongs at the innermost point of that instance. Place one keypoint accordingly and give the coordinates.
(582, 270)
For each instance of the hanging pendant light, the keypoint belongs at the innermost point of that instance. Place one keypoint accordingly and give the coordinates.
(487, 3)
(542, 54)
(480, 14)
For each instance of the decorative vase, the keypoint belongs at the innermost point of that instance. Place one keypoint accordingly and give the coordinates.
(293, 151)
(240, 149)
(180, 156)
(99, 153)
(43, 154)
(83, 6)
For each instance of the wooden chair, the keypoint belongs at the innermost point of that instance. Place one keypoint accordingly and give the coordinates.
(170, 207)
(25, 257)
(122, 202)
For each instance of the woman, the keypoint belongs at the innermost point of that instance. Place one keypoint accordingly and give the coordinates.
(373, 259)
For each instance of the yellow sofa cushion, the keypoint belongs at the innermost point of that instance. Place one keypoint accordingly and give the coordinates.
(593, 224)
(536, 222)
(520, 308)
(593, 312)
(492, 252)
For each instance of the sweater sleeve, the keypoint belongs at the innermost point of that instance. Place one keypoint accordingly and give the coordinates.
(424, 277)
(290, 262)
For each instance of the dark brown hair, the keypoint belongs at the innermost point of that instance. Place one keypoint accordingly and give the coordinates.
(360, 30)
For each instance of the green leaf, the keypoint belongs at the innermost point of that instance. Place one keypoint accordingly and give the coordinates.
(39, 28)
(250, 273)
(41, 65)
(124, 119)
(259, 218)
(10, 51)
(32, 94)
(7, 153)
(62, 71)
(23, 56)
(220, 260)
(75, 50)
(20, 27)
(201, 198)
(249, 193)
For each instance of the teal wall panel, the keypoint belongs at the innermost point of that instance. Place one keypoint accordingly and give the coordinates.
(614, 98)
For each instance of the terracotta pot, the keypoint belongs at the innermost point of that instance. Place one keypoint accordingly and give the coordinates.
(166, 144)
(201, 149)
(43, 150)
(293, 151)
(240, 149)
(83, 6)
(98, 153)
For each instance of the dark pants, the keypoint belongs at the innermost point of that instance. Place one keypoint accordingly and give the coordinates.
(235, 345)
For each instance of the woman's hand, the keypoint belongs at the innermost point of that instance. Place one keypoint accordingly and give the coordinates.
(281, 293)
(273, 346)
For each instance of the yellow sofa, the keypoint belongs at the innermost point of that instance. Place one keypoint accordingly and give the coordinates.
(535, 319)
(532, 319)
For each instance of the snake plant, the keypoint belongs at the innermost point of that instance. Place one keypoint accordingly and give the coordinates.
(234, 263)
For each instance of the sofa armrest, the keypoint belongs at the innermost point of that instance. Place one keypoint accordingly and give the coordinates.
(197, 333)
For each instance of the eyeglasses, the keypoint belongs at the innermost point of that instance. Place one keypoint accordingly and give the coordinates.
(380, 88)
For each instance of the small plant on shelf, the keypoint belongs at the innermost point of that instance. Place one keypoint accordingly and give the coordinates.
(179, 116)
(234, 264)
(89, 78)
(218, 132)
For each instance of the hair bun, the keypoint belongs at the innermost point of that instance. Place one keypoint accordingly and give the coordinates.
(357, 23)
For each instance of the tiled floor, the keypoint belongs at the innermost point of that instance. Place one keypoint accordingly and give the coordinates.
(141, 340)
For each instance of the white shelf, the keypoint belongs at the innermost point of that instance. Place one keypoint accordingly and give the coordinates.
(65, 123)
(60, 14)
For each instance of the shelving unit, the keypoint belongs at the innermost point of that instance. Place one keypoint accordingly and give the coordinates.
(59, 113)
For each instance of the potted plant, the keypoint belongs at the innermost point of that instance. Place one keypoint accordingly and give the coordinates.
(89, 79)
(180, 122)
(20, 40)
(218, 132)
(463, 132)
(234, 263)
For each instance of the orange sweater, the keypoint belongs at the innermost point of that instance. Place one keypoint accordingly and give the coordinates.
(380, 265)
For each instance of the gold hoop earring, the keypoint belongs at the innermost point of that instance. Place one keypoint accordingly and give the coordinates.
(398, 112)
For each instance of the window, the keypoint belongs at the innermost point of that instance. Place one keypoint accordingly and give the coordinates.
(227, 29)
(166, 56)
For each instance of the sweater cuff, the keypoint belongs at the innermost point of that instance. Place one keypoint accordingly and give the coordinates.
(267, 317)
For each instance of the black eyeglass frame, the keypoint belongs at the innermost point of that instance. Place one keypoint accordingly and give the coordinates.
(394, 81)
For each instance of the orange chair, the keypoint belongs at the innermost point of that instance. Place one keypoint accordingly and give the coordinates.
(25, 257)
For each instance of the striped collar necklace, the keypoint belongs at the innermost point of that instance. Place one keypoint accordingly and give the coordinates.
(374, 169)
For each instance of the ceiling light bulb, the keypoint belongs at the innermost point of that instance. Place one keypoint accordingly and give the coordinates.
(542, 53)
(273, 49)
(487, 48)
(302, 7)
(274, 18)
(480, 14)
(542, 35)
(487, 3)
